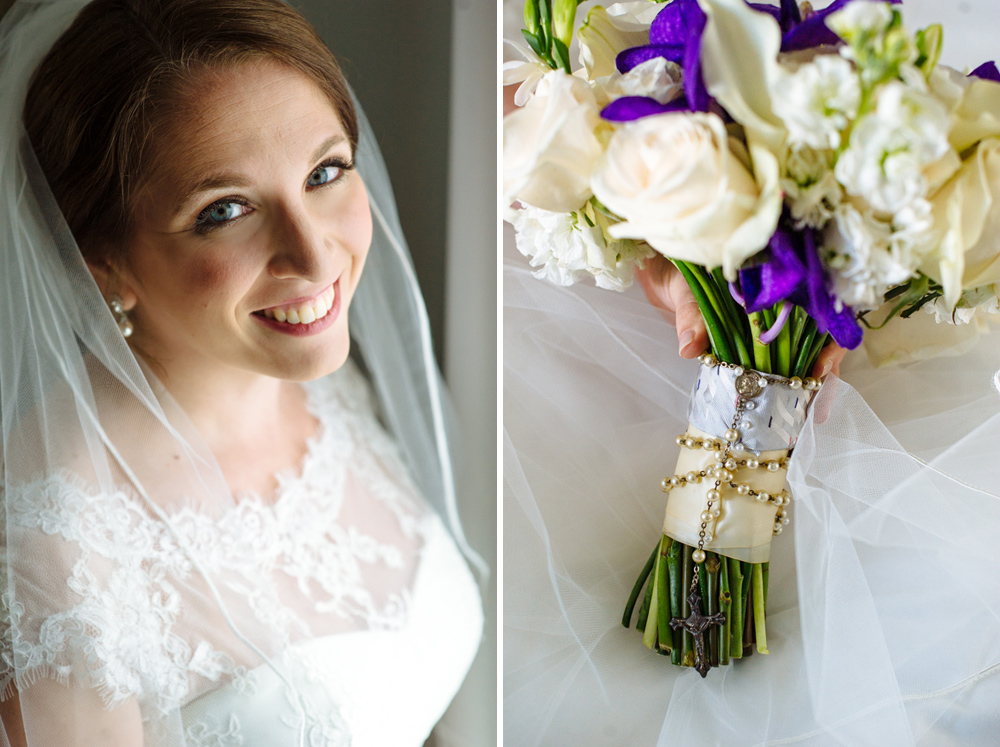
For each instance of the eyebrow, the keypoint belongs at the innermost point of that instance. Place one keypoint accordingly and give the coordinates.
(226, 181)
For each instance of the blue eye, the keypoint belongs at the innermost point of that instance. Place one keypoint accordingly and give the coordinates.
(324, 175)
(220, 213)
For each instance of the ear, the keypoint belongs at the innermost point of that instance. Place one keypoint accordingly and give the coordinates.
(112, 282)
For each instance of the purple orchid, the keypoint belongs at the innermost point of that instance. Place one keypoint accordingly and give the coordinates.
(794, 272)
(986, 71)
(799, 33)
(675, 35)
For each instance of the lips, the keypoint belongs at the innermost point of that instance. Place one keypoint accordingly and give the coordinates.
(303, 312)
(304, 316)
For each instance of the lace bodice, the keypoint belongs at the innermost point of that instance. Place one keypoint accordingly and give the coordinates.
(342, 556)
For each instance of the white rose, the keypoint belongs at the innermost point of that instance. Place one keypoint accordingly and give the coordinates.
(607, 32)
(678, 184)
(966, 215)
(976, 114)
(817, 101)
(550, 145)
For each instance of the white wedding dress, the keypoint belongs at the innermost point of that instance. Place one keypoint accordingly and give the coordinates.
(377, 612)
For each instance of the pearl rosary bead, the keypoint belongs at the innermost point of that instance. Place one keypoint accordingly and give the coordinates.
(752, 463)
(706, 516)
(773, 466)
(795, 383)
(730, 464)
(732, 435)
(698, 556)
(713, 495)
(742, 489)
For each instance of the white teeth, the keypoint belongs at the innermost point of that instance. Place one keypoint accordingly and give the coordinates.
(304, 314)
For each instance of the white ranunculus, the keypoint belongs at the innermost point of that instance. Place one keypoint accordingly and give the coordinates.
(550, 146)
(864, 259)
(817, 101)
(658, 79)
(966, 214)
(890, 148)
(811, 190)
(609, 31)
(678, 185)
(566, 249)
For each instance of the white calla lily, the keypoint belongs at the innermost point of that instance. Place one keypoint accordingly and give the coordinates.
(739, 62)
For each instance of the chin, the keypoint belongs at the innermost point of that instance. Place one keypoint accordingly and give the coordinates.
(310, 367)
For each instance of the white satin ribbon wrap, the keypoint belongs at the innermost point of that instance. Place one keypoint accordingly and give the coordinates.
(746, 526)
(769, 426)
(772, 420)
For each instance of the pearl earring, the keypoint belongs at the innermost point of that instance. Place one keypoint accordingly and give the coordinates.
(118, 309)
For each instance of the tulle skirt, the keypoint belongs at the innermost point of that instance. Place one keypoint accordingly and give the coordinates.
(884, 596)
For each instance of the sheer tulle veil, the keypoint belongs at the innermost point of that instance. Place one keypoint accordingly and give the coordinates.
(77, 402)
(885, 627)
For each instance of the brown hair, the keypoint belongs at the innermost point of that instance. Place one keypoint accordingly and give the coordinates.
(96, 99)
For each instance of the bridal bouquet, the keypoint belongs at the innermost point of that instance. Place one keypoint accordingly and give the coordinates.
(808, 172)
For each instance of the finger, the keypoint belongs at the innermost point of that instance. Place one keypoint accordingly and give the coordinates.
(829, 361)
(654, 279)
(691, 332)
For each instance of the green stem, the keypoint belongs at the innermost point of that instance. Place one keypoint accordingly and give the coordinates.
(665, 641)
(649, 630)
(784, 343)
(798, 322)
(746, 606)
(634, 596)
(726, 606)
(736, 631)
(675, 571)
(802, 359)
(761, 352)
(736, 319)
(817, 347)
(687, 645)
(759, 602)
(712, 565)
(644, 609)
(717, 336)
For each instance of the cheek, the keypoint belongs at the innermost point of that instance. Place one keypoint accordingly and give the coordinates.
(358, 226)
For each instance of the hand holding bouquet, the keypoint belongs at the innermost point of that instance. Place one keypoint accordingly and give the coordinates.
(808, 172)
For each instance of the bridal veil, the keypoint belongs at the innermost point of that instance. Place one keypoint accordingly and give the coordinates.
(78, 408)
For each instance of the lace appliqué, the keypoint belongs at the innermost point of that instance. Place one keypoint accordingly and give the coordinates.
(202, 735)
(120, 635)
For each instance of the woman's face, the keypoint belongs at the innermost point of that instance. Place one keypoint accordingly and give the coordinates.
(251, 235)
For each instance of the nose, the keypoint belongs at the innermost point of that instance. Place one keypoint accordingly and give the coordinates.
(301, 248)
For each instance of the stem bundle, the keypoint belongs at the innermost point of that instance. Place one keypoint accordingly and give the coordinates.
(727, 585)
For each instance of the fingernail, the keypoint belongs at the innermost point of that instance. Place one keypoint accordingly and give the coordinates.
(686, 340)
(827, 367)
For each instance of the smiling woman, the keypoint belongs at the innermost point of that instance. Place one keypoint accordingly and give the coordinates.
(199, 548)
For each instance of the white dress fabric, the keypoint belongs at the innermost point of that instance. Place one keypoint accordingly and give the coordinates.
(345, 564)
(883, 605)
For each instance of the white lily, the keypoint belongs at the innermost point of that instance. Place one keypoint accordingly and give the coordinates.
(528, 72)
(609, 31)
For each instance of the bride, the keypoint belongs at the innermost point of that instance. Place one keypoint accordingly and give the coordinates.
(883, 605)
(199, 548)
